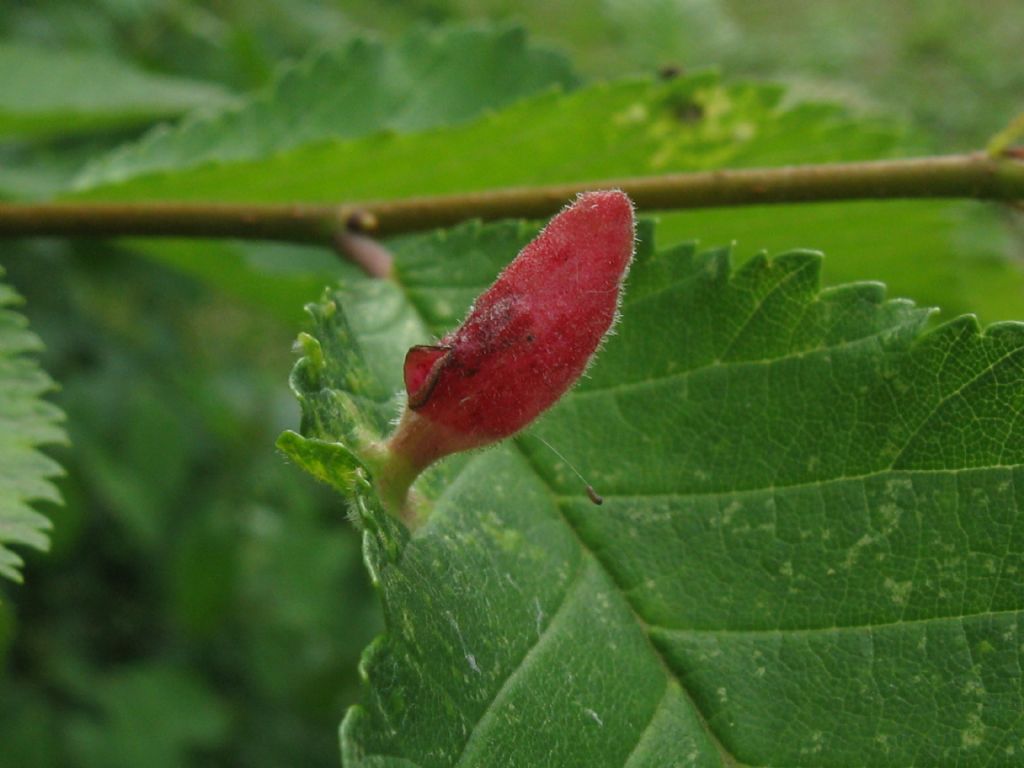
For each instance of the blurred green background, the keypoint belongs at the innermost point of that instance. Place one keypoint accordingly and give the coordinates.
(204, 603)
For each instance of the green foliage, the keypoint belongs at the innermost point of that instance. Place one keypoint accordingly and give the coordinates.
(199, 548)
(236, 42)
(67, 93)
(186, 544)
(642, 127)
(26, 422)
(133, 700)
(202, 593)
(808, 529)
(604, 130)
(949, 65)
(428, 79)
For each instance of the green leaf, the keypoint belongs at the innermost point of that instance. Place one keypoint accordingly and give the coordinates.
(427, 79)
(947, 253)
(633, 126)
(60, 92)
(26, 422)
(809, 551)
(151, 714)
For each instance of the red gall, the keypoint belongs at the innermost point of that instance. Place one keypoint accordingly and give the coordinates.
(526, 341)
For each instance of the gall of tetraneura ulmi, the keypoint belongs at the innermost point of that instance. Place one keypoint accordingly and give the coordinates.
(526, 341)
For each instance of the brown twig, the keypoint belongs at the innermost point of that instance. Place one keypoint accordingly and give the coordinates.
(976, 175)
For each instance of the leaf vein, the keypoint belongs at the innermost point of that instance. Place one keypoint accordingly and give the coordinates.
(524, 662)
(718, 363)
(990, 368)
(650, 724)
(727, 757)
(725, 493)
(661, 629)
(760, 303)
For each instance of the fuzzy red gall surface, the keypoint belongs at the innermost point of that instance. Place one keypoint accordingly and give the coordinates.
(529, 337)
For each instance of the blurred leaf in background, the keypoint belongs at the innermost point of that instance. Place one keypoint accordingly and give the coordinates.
(51, 94)
(26, 423)
(187, 543)
(425, 80)
(238, 43)
(949, 66)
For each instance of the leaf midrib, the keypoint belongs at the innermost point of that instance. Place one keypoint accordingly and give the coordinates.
(728, 759)
(588, 554)
(524, 662)
(837, 629)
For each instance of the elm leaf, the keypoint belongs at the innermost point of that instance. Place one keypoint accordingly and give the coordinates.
(809, 551)
(425, 80)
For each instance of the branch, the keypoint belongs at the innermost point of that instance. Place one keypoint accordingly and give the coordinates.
(976, 175)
